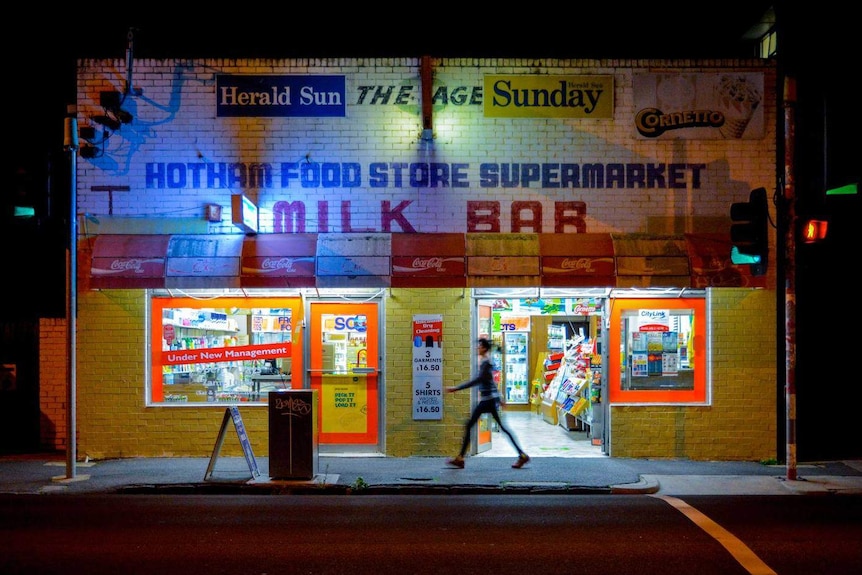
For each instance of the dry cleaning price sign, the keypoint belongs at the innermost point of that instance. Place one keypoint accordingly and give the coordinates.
(427, 367)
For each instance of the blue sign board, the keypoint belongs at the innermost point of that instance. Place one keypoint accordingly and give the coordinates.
(271, 96)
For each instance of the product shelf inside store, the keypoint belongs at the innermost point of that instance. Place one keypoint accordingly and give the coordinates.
(204, 326)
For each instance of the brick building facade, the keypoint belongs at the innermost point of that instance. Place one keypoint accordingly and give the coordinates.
(640, 151)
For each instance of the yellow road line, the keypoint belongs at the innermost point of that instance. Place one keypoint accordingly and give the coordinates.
(738, 550)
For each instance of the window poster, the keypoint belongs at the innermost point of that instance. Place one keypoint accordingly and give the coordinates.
(639, 364)
(344, 398)
(669, 364)
(654, 353)
(427, 366)
(670, 353)
(639, 341)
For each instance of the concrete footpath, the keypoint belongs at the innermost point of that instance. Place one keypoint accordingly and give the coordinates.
(50, 474)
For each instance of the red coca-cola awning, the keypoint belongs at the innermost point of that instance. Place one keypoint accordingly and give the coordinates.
(129, 261)
(279, 260)
(577, 260)
(428, 260)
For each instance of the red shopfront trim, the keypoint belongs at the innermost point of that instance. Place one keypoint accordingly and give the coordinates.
(698, 395)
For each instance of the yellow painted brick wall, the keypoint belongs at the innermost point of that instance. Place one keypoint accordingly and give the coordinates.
(741, 422)
(114, 422)
(404, 436)
(112, 418)
(53, 367)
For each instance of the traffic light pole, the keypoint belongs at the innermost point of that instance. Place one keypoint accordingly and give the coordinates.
(789, 204)
(71, 145)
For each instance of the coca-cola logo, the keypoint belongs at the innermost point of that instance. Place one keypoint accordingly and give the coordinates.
(134, 265)
(202, 267)
(427, 263)
(278, 264)
(585, 264)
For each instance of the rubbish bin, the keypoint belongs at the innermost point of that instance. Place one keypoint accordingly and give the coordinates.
(293, 434)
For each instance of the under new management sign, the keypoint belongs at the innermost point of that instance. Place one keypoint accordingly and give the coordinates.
(523, 96)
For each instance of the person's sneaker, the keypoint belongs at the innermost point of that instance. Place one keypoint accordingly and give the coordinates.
(456, 462)
(522, 460)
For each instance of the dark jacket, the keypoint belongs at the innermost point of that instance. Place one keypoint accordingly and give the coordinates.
(485, 380)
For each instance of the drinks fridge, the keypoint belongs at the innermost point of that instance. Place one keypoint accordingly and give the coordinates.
(344, 352)
(515, 367)
(334, 352)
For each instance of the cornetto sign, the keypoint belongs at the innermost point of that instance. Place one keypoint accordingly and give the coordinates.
(280, 96)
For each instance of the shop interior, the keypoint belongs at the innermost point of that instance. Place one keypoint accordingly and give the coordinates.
(209, 336)
(539, 438)
(548, 355)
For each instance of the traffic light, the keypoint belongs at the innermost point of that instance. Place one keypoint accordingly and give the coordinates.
(749, 232)
(813, 230)
(24, 202)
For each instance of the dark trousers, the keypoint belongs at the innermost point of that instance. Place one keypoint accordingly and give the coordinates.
(486, 406)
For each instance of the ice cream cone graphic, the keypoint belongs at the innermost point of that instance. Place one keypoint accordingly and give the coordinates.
(738, 99)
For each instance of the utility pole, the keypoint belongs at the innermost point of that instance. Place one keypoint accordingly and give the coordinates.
(789, 204)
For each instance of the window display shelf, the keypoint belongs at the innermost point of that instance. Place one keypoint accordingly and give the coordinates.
(204, 326)
(569, 390)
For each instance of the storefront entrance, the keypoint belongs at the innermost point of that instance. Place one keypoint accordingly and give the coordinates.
(343, 367)
(542, 347)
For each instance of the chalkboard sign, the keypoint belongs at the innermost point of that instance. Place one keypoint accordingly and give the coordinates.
(293, 434)
(232, 414)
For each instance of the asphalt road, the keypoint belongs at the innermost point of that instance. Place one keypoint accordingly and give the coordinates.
(381, 534)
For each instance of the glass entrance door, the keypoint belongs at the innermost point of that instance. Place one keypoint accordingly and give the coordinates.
(343, 367)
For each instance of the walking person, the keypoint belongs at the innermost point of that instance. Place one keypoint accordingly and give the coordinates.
(489, 397)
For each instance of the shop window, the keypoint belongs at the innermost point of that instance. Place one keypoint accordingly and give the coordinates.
(225, 350)
(658, 354)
